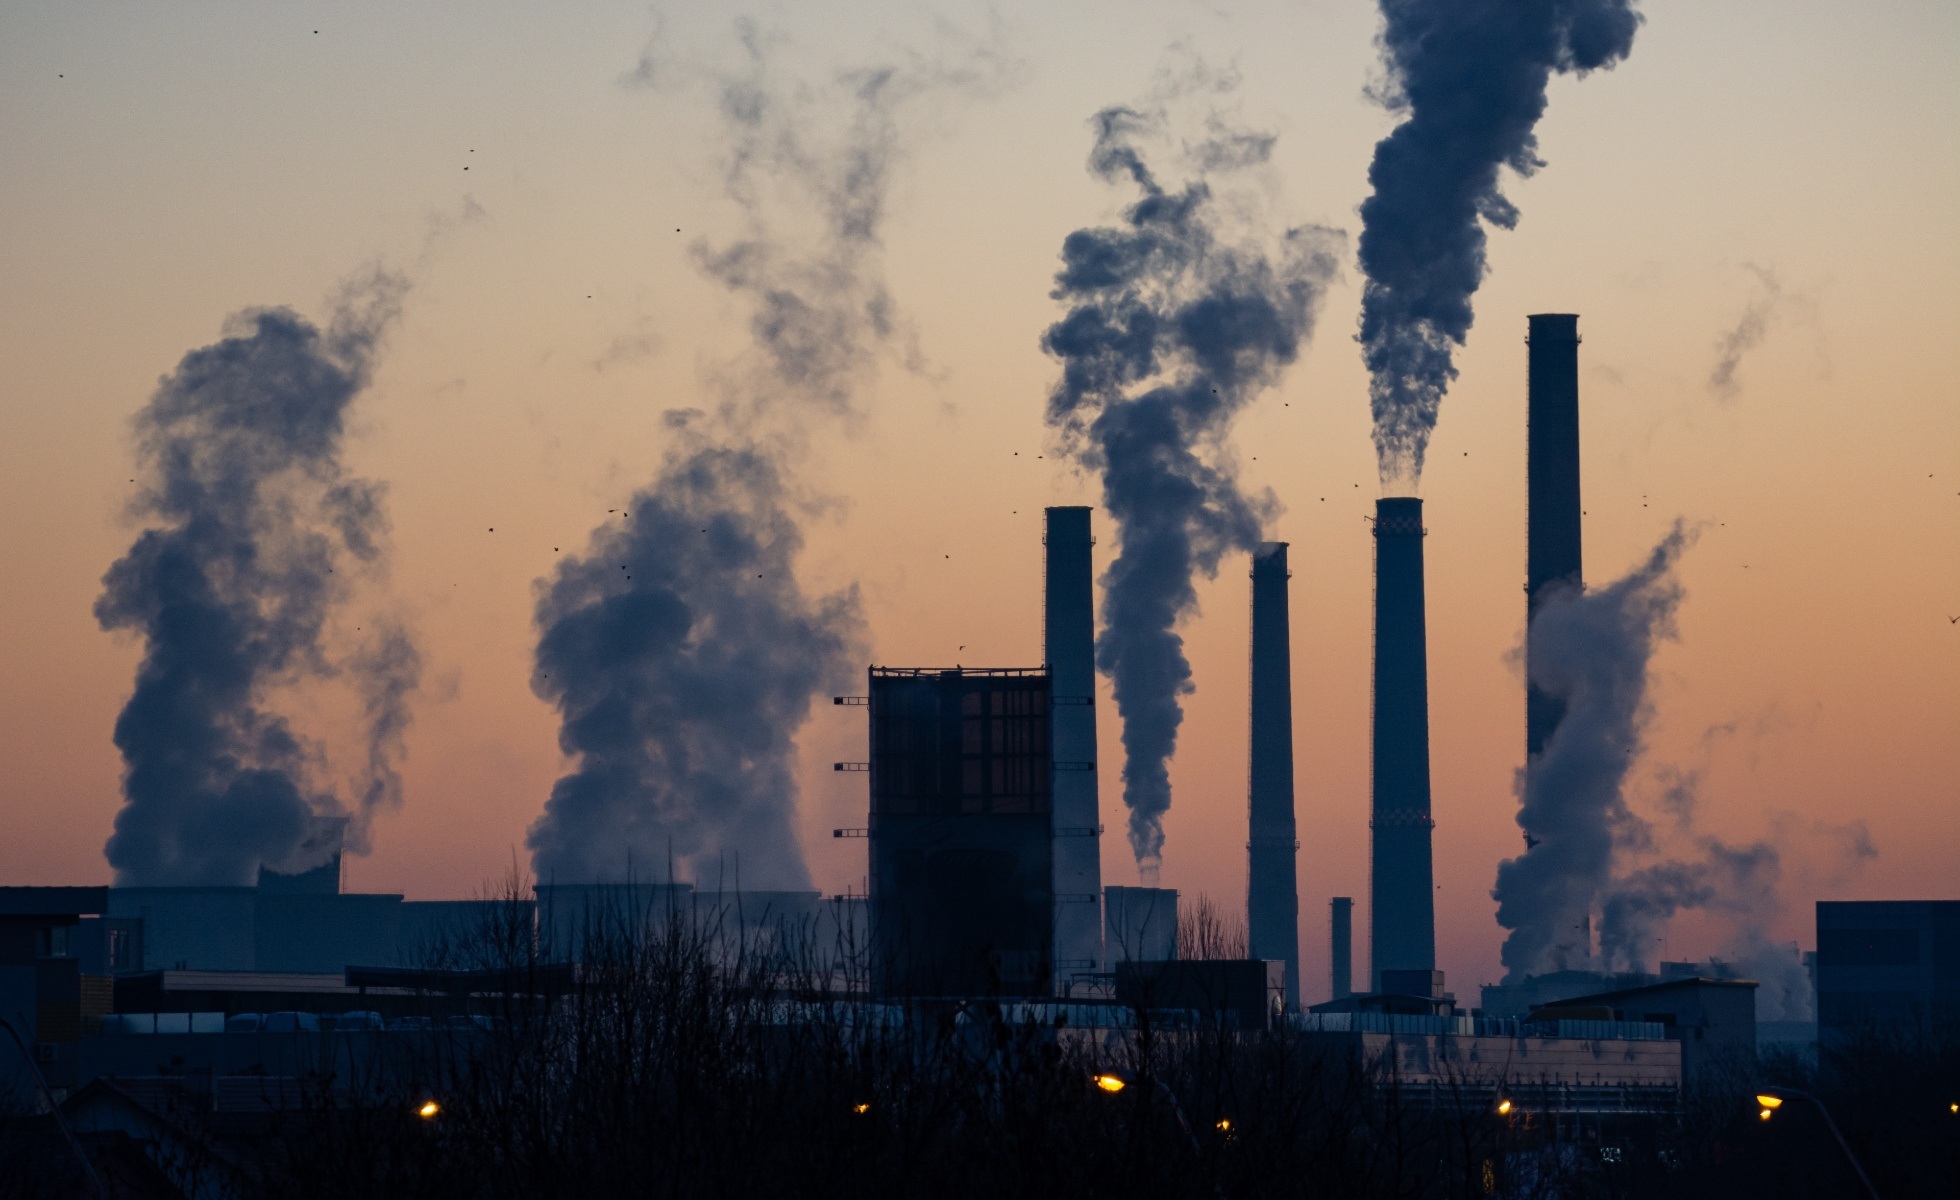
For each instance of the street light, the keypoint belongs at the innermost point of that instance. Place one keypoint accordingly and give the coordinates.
(1504, 1107)
(429, 1110)
(1115, 1081)
(1772, 1099)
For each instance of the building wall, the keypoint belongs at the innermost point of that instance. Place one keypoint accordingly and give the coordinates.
(1576, 1062)
(1887, 965)
(961, 855)
(1141, 923)
(324, 933)
(203, 928)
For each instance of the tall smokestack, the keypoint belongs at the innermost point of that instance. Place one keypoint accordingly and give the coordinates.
(1069, 645)
(1272, 895)
(1402, 912)
(1343, 946)
(1552, 556)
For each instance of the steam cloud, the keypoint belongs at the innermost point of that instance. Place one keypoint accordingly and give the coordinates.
(679, 649)
(1471, 77)
(1591, 651)
(235, 586)
(1176, 321)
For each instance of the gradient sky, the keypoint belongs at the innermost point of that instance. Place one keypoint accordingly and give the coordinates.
(168, 165)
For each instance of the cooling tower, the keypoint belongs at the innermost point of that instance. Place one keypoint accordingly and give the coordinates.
(1402, 911)
(1272, 898)
(1070, 649)
(1342, 942)
(1552, 548)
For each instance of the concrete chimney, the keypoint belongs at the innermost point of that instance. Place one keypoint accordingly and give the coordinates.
(1342, 942)
(1402, 909)
(1069, 645)
(1552, 522)
(1272, 896)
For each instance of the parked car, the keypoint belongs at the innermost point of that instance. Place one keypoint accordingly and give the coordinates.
(408, 1024)
(362, 1021)
(245, 1023)
(292, 1022)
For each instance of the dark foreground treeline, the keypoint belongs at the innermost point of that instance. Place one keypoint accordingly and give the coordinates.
(692, 1058)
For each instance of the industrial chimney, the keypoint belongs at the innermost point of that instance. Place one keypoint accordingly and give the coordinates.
(1552, 552)
(1075, 815)
(1402, 911)
(1342, 943)
(1272, 897)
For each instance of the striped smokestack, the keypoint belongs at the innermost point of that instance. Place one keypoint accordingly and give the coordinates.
(1402, 911)
(1070, 648)
(1272, 897)
(1552, 549)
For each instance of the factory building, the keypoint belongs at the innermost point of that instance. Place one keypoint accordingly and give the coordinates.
(1887, 967)
(1402, 905)
(1272, 844)
(962, 861)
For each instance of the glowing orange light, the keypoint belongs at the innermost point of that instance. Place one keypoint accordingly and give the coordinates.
(860, 1109)
(1225, 1126)
(1764, 1114)
(1769, 1101)
(1110, 1083)
(1503, 1108)
(429, 1109)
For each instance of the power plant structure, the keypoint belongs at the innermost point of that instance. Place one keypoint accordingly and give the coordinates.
(985, 880)
(1402, 906)
(1272, 895)
(962, 872)
(1069, 647)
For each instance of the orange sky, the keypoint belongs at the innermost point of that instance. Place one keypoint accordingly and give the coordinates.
(166, 171)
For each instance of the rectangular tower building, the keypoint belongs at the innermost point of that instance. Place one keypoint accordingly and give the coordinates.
(962, 900)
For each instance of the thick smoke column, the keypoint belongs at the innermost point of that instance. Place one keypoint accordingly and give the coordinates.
(254, 526)
(1591, 651)
(680, 650)
(1176, 321)
(683, 655)
(1470, 75)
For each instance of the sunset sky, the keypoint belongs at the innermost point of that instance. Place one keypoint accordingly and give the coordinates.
(1792, 167)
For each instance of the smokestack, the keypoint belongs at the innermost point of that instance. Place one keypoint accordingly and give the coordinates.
(1272, 895)
(1552, 557)
(1343, 943)
(1069, 645)
(1402, 914)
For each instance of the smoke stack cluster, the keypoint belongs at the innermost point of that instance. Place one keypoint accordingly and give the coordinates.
(1272, 897)
(1402, 913)
(1069, 646)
